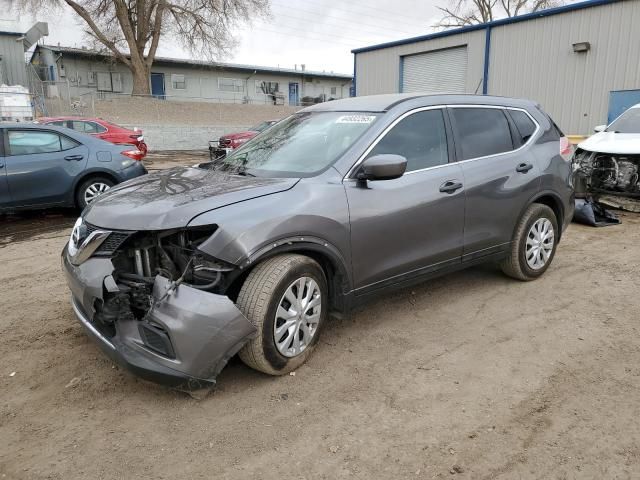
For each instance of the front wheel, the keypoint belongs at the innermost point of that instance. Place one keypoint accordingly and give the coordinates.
(534, 244)
(285, 297)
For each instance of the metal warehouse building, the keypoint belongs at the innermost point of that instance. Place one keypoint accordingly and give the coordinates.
(12, 48)
(581, 62)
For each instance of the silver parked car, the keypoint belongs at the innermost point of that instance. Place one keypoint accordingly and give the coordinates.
(177, 271)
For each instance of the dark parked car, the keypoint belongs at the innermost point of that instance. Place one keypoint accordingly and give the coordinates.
(47, 166)
(178, 271)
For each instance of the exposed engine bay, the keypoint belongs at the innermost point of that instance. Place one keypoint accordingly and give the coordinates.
(144, 257)
(603, 173)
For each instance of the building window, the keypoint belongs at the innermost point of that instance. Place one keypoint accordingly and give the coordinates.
(334, 90)
(231, 84)
(267, 87)
(178, 81)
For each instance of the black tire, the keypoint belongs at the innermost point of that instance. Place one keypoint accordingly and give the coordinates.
(515, 265)
(259, 299)
(86, 184)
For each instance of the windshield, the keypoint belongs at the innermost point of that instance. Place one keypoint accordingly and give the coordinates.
(261, 126)
(300, 146)
(628, 122)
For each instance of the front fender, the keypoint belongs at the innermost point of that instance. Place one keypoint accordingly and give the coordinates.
(310, 216)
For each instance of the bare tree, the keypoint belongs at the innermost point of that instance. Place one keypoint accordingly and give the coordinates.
(460, 13)
(131, 30)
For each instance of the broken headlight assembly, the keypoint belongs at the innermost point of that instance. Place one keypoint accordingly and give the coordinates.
(171, 254)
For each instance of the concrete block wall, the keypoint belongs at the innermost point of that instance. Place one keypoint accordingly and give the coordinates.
(173, 125)
(183, 137)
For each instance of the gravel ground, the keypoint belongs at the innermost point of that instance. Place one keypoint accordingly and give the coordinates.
(471, 376)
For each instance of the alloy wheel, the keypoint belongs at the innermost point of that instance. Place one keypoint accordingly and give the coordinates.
(297, 317)
(540, 241)
(95, 190)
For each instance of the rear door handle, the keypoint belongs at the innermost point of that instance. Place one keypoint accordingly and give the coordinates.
(73, 157)
(524, 167)
(450, 186)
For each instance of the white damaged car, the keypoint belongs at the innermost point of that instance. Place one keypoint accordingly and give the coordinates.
(609, 161)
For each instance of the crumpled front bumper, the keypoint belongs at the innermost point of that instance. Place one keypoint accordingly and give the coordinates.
(205, 330)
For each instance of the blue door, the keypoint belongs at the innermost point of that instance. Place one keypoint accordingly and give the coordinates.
(620, 101)
(157, 85)
(293, 94)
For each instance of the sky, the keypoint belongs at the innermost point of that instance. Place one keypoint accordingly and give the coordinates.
(317, 33)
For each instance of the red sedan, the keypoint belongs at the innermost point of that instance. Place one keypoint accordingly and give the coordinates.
(99, 128)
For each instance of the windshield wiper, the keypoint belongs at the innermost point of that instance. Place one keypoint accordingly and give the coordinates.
(244, 173)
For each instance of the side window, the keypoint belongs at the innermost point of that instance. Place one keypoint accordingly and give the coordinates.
(93, 127)
(77, 125)
(481, 131)
(67, 143)
(59, 123)
(22, 142)
(524, 124)
(421, 138)
(85, 127)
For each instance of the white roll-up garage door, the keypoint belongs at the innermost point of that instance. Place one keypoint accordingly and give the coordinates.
(440, 71)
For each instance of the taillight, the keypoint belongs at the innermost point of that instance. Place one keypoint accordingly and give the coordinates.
(138, 137)
(136, 155)
(566, 149)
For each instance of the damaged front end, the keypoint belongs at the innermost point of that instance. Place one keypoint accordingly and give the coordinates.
(607, 174)
(156, 303)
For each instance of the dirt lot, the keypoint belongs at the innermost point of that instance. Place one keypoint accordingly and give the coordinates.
(469, 376)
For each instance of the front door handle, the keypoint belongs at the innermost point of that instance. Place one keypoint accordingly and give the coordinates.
(450, 186)
(524, 167)
(73, 157)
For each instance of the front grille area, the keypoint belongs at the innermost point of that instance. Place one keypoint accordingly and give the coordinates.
(112, 242)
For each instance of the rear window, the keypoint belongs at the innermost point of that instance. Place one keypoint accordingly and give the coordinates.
(524, 124)
(481, 131)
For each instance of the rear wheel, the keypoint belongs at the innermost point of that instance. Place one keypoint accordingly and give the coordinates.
(285, 298)
(534, 244)
(91, 189)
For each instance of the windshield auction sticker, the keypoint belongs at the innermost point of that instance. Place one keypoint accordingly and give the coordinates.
(356, 119)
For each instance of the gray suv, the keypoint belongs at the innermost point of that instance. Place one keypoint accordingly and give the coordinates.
(173, 273)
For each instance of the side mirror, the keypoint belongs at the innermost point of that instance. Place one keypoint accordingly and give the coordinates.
(599, 128)
(383, 167)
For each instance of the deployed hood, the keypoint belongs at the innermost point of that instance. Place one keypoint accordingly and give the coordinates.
(171, 198)
(614, 143)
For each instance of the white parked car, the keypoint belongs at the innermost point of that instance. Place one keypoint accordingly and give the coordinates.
(609, 161)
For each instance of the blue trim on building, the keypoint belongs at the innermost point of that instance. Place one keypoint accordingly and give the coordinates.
(12, 34)
(505, 21)
(401, 76)
(354, 92)
(487, 56)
